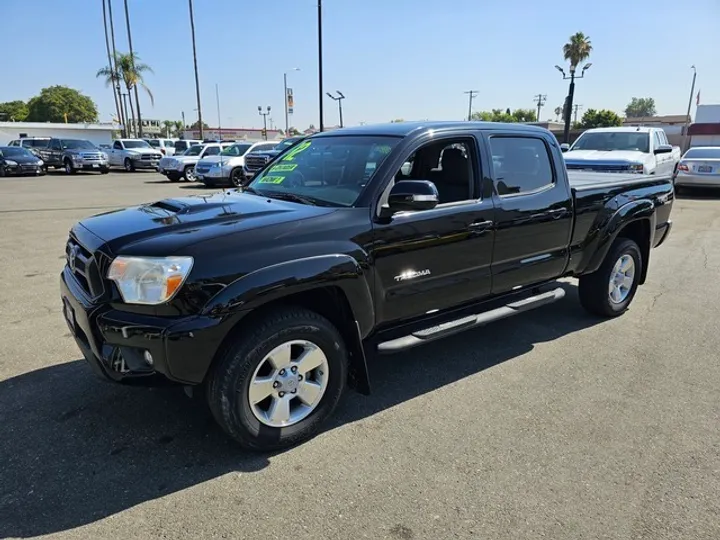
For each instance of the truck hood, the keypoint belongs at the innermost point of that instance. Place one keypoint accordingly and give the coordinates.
(163, 227)
(185, 159)
(225, 160)
(142, 151)
(633, 156)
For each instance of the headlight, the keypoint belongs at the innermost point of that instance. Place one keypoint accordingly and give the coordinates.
(40, 163)
(637, 168)
(149, 280)
(103, 156)
(11, 162)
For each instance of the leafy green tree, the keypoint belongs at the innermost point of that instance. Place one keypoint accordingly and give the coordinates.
(60, 104)
(178, 128)
(13, 111)
(577, 50)
(499, 115)
(196, 125)
(601, 118)
(397, 120)
(640, 107)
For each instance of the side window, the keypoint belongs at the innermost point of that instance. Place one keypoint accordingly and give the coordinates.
(658, 139)
(520, 164)
(445, 163)
(117, 145)
(55, 145)
(14, 143)
(212, 151)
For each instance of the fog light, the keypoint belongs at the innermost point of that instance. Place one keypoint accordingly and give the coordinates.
(148, 358)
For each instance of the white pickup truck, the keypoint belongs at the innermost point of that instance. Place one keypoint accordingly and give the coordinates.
(640, 150)
(133, 154)
(183, 165)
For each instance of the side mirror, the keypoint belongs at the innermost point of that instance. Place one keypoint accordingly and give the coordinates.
(564, 147)
(663, 149)
(413, 195)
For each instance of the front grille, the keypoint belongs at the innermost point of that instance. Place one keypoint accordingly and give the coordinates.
(254, 163)
(29, 167)
(151, 156)
(602, 167)
(92, 157)
(202, 170)
(84, 268)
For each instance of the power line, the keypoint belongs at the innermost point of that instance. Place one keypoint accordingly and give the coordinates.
(471, 94)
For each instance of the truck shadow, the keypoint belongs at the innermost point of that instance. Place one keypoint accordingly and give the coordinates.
(78, 450)
(698, 193)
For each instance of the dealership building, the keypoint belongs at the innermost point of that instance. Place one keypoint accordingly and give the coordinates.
(95, 133)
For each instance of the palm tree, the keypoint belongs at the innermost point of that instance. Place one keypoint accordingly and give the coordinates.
(577, 50)
(178, 128)
(115, 87)
(169, 127)
(134, 69)
(558, 112)
(130, 70)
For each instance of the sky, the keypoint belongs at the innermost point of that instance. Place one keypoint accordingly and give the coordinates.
(410, 59)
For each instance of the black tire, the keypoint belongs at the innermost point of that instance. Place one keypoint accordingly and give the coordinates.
(104, 170)
(229, 379)
(594, 288)
(129, 165)
(237, 177)
(69, 169)
(2, 170)
(189, 173)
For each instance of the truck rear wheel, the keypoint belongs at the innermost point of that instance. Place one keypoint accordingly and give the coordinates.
(279, 380)
(610, 290)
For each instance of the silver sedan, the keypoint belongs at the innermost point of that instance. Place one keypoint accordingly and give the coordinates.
(700, 166)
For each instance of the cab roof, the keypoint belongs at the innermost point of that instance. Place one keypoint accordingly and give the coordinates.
(403, 129)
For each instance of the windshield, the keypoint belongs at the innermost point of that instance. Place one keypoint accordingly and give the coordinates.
(10, 151)
(193, 150)
(136, 144)
(287, 142)
(702, 153)
(74, 144)
(236, 150)
(154, 143)
(330, 171)
(613, 140)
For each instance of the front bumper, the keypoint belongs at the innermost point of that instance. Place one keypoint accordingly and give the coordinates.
(145, 163)
(114, 342)
(91, 165)
(25, 170)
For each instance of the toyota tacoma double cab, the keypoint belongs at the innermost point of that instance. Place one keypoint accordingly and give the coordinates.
(267, 300)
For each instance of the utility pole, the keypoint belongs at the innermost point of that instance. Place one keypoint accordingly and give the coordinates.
(125, 131)
(540, 99)
(339, 100)
(320, 66)
(264, 115)
(183, 120)
(687, 117)
(471, 95)
(288, 105)
(113, 73)
(132, 60)
(217, 99)
(197, 80)
(576, 108)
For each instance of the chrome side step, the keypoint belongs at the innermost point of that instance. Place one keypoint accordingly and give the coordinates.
(471, 321)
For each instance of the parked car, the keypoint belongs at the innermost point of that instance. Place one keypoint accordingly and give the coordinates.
(256, 160)
(33, 144)
(226, 169)
(133, 154)
(166, 146)
(19, 161)
(639, 150)
(700, 167)
(183, 144)
(271, 297)
(183, 165)
(74, 155)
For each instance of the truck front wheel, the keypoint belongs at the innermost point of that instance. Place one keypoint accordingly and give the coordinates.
(610, 290)
(279, 380)
(69, 169)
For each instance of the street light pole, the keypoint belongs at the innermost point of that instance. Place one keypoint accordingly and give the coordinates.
(339, 98)
(567, 112)
(320, 65)
(197, 78)
(287, 105)
(471, 94)
(687, 117)
(264, 115)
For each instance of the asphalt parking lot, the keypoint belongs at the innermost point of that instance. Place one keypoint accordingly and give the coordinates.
(551, 425)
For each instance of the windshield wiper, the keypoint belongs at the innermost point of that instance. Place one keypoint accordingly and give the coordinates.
(286, 196)
(248, 189)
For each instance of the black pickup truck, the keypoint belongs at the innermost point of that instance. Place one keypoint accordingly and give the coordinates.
(365, 240)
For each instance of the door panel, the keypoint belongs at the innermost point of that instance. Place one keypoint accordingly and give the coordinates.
(442, 242)
(533, 211)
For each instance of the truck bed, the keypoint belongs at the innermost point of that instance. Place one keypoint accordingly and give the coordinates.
(582, 180)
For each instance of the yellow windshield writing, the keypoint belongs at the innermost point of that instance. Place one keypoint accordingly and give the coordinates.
(272, 180)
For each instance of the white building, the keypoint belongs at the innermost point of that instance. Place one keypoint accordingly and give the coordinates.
(95, 133)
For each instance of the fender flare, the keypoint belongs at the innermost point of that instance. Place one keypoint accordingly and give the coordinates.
(636, 210)
(278, 281)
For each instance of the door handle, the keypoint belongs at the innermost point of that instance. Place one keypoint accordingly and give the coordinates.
(480, 225)
(557, 212)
